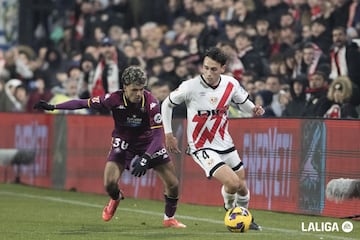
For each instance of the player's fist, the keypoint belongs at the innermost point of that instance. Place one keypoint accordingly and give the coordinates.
(42, 105)
(258, 110)
(140, 165)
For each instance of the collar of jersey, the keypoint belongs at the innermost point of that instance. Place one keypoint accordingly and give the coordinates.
(206, 84)
(142, 101)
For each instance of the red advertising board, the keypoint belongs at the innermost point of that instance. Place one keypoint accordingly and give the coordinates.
(342, 161)
(29, 132)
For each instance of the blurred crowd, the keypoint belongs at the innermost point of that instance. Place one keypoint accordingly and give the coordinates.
(297, 58)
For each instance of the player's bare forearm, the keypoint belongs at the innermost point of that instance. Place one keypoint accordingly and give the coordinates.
(171, 143)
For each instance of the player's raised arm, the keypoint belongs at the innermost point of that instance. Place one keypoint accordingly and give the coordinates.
(68, 105)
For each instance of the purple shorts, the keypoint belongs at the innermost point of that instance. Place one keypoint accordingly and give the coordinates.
(122, 153)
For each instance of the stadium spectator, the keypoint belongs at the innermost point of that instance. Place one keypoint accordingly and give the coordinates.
(316, 102)
(242, 14)
(312, 59)
(251, 89)
(18, 62)
(264, 98)
(9, 101)
(273, 84)
(231, 29)
(213, 150)
(296, 105)
(249, 56)
(339, 95)
(137, 140)
(344, 57)
(37, 93)
(321, 35)
(168, 73)
(107, 72)
(234, 64)
(259, 84)
(261, 40)
(52, 65)
(210, 34)
(224, 9)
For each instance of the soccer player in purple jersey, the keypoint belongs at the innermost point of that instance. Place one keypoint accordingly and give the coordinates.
(137, 140)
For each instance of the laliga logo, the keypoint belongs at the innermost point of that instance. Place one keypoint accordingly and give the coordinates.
(346, 227)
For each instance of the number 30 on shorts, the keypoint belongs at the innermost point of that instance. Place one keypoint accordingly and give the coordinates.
(118, 142)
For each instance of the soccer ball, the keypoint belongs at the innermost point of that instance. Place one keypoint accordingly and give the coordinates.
(238, 219)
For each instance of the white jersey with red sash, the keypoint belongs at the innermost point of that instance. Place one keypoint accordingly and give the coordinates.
(207, 111)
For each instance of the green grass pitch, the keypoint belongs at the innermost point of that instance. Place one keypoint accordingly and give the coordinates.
(44, 214)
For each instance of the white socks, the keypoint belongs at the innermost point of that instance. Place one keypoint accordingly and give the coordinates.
(243, 201)
(232, 200)
(228, 198)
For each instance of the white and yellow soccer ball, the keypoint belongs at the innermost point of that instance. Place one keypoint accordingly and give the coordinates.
(238, 219)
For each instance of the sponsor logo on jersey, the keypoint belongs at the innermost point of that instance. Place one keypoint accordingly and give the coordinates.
(134, 121)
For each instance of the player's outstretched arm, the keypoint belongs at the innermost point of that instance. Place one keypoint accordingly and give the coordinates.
(68, 105)
(340, 189)
(256, 110)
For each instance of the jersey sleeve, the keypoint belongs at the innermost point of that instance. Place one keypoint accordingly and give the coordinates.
(241, 95)
(102, 102)
(154, 113)
(180, 94)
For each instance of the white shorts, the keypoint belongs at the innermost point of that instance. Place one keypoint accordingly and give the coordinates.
(209, 160)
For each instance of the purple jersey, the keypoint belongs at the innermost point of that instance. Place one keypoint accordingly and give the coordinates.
(133, 121)
(135, 127)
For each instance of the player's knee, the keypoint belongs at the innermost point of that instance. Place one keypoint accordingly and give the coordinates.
(233, 185)
(113, 190)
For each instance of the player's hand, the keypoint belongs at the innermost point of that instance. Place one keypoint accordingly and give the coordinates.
(171, 143)
(258, 110)
(140, 165)
(42, 105)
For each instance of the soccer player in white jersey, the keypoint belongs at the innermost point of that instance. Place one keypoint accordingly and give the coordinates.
(207, 98)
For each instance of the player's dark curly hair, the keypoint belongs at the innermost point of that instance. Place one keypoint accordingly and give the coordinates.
(133, 75)
(217, 55)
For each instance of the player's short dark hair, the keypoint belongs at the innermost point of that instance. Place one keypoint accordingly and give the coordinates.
(217, 55)
(133, 75)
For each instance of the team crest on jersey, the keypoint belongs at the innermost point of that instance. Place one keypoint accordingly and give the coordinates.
(213, 100)
(95, 100)
(157, 118)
